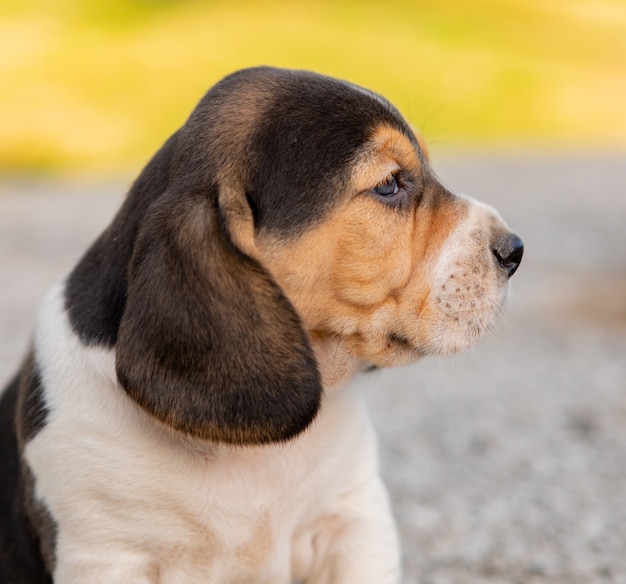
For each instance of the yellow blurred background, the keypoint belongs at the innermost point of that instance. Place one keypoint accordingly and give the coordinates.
(97, 86)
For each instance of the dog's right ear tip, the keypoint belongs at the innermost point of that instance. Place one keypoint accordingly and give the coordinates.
(289, 419)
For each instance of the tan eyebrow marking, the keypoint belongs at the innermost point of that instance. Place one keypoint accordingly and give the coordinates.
(386, 151)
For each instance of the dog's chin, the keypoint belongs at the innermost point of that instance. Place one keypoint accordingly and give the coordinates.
(437, 334)
(445, 333)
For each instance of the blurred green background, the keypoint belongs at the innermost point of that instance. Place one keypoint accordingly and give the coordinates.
(97, 86)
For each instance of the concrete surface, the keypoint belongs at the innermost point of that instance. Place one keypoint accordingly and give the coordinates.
(505, 465)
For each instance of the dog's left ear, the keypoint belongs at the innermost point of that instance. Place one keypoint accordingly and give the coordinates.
(208, 343)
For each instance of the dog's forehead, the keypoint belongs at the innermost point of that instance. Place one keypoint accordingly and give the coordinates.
(320, 109)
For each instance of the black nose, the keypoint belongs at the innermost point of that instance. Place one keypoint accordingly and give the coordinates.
(508, 252)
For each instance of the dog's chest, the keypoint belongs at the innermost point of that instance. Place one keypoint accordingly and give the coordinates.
(180, 515)
(256, 519)
(255, 514)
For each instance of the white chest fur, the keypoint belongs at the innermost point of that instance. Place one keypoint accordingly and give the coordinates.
(133, 503)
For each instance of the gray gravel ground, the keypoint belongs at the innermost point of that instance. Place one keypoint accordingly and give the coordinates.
(505, 465)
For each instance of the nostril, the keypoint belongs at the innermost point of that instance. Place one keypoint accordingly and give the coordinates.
(508, 253)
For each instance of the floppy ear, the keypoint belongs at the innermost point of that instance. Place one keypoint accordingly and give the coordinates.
(208, 343)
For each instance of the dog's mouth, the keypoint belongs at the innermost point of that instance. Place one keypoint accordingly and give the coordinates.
(397, 339)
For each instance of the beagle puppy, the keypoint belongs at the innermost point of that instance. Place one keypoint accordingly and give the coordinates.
(183, 415)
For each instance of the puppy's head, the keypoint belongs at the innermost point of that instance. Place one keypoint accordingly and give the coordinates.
(291, 209)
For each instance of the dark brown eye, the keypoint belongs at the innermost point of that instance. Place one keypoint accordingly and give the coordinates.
(388, 188)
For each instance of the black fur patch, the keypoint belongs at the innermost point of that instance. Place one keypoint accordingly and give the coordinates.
(21, 557)
(305, 143)
(32, 410)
